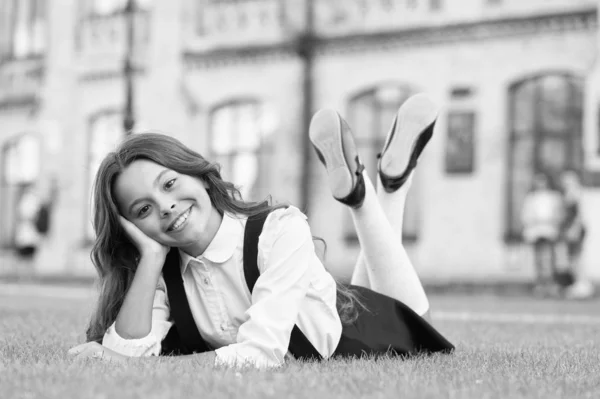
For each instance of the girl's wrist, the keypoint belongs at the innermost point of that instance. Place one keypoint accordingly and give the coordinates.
(152, 261)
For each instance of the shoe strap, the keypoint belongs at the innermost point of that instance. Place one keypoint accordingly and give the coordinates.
(359, 167)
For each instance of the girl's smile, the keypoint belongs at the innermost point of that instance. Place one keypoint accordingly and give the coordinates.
(171, 208)
(180, 221)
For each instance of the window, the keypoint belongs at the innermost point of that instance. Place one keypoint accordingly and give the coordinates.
(460, 146)
(435, 5)
(370, 114)
(238, 133)
(22, 28)
(546, 117)
(20, 169)
(105, 133)
(412, 4)
(460, 139)
(109, 7)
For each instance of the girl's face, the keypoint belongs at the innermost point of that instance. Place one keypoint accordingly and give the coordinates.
(171, 208)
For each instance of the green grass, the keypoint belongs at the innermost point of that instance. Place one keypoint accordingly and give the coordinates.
(492, 360)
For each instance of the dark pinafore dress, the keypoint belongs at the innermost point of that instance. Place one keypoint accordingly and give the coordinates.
(387, 327)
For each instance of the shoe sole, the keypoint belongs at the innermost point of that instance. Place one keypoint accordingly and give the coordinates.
(414, 116)
(325, 133)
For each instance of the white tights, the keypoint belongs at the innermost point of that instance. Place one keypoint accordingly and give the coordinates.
(383, 264)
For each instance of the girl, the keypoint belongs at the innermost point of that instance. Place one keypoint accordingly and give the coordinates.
(187, 267)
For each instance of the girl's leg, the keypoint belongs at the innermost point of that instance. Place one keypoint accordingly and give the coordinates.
(393, 205)
(383, 259)
(383, 265)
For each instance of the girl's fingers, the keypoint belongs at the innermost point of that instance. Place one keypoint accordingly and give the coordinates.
(144, 243)
(77, 350)
(91, 351)
(94, 350)
(127, 225)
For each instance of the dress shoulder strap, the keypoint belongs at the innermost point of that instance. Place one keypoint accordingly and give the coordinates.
(300, 346)
(184, 337)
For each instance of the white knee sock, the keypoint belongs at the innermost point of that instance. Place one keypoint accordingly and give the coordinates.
(385, 260)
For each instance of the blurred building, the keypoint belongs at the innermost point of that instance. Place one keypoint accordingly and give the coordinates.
(518, 81)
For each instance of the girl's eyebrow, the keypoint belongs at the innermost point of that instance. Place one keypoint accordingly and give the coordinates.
(156, 183)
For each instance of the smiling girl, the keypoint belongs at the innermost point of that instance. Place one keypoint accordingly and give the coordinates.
(189, 268)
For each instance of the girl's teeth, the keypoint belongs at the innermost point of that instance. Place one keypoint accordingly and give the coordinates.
(180, 221)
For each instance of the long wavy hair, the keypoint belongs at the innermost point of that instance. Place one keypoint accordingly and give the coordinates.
(114, 255)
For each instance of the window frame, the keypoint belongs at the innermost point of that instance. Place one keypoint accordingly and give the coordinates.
(537, 134)
(89, 180)
(262, 152)
(8, 218)
(375, 145)
(8, 48)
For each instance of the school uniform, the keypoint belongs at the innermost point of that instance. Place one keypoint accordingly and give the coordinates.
(259, 294)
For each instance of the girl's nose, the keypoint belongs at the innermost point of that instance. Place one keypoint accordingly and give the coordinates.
(168, 210)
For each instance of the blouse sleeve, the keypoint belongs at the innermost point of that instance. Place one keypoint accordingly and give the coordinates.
(285, 252)
(150, 345)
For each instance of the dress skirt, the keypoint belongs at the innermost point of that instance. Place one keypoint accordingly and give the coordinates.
(388, 327)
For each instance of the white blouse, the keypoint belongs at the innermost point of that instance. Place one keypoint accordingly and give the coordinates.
(293, 288)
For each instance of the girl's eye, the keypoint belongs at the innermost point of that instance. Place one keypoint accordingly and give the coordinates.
(143, 210)
(170, 183)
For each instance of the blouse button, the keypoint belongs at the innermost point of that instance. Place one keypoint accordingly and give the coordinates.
(223, 326)
(206, 280)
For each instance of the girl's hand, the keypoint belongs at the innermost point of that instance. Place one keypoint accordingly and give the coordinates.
(146, 245)
(96, 351)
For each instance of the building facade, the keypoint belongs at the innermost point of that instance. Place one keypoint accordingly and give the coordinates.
(518, 83)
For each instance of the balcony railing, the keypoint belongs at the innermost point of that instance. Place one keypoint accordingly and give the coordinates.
(339, 17)
(102, 40)
(213, 24)
(21, 80)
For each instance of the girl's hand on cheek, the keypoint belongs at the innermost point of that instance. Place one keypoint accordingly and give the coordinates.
(146, 245)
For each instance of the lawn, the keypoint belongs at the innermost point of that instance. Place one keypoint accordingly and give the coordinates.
(533, 349)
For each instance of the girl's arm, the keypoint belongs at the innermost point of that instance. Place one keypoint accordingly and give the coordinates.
(95, 350)
(135, 317)
(117, 347)
(150, 343)
(286, 253)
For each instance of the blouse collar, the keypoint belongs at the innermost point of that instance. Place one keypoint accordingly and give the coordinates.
(223, 245)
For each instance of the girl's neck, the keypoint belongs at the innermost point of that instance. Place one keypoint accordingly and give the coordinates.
(198, 248)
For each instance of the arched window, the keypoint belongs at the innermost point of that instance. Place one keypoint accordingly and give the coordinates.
(105, 133)
(370, 115)
(20, 169)
(546, 118)
(238, 142)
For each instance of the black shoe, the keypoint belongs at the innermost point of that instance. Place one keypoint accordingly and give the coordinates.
(411, 130)
(332, 139)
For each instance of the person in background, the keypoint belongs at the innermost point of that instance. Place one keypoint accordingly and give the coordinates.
(27, 237)
(33, 216)
(572, 236)
(541, 217)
